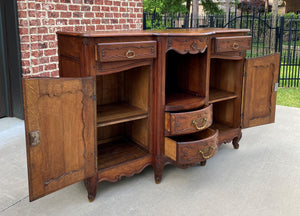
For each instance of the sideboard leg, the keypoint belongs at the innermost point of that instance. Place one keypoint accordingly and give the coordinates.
(158, 169)
(91, 187)
(235, 141)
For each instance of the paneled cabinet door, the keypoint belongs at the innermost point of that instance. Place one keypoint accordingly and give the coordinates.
(260, 90)
(60, 132)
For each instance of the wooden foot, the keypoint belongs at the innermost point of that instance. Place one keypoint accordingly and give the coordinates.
(91, 187)
(235, 141)
(157, 179)
(158, 169)
(203, 163)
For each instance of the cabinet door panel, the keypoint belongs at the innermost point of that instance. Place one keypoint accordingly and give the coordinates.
(259, 90)
(60, 132)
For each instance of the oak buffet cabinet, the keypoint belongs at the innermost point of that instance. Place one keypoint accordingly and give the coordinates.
(127, 100)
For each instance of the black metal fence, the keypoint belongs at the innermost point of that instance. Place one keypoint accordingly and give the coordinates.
(269, 35)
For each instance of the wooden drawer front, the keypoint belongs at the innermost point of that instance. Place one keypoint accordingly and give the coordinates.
(188, 122)
(227, 44)
(188, 45)
(123, 51)
(193, 148)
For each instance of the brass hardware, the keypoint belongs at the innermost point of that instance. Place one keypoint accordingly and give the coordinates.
(34, 138)
(130, 54)
(208, 156)
(235, 46)
(200, 123)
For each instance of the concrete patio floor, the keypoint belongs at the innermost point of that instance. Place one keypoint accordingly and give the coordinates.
(261, 178)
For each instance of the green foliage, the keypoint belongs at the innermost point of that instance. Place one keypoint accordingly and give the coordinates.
(159, 7)
(211, 7)
(288, 97)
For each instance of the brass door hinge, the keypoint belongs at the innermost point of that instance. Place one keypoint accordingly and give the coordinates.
(34, 138)
(276, 86)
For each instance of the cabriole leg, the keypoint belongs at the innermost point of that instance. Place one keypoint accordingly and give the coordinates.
(235, 141)
(158, 169)
(91, 187)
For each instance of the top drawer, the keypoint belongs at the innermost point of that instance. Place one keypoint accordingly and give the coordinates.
(109, 52)
(229, 44)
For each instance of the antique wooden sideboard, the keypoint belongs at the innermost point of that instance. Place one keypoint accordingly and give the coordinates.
(127, 100)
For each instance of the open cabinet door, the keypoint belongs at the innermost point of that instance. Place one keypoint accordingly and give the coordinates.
(60, 132)
(260, 90)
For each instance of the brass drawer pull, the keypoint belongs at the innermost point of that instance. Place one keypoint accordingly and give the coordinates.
(235, 46)
(130, 54)
(200, 123)
(211, 152)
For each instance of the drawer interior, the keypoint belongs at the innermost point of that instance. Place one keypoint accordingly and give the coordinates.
(194, 137)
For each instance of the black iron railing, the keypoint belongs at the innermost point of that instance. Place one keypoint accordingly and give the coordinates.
(269, 35)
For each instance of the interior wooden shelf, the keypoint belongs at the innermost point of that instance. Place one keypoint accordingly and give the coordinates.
(118, 113)
(226, 57)
(117, 152)
(182, 101)
(217, 95)
(221, 127)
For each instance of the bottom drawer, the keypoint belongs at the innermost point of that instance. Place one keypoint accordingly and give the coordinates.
(192, 148)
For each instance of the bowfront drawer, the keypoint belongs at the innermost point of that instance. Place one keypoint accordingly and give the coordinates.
(110, 52)
(229, 44)
(188, 122)
(190, 45)
(193, 148)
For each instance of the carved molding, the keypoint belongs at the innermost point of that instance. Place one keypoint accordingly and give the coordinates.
(130, 171)
(184, 46)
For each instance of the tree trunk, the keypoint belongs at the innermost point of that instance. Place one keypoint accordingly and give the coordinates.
(266, 5)
(188, 6)
(227, 10)
(195, 13)
(274, 16)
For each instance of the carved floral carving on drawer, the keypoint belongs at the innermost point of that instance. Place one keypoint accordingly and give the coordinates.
(191, 45)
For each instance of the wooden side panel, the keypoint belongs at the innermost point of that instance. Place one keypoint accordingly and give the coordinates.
(170, 148)
(62, 111)
(259, 94)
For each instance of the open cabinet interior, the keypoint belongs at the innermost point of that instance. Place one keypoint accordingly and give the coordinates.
(225, 93)
(123, 116)
(185, 81)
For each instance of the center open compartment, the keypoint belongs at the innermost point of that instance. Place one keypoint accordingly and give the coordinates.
(185, 81)
(123, 116)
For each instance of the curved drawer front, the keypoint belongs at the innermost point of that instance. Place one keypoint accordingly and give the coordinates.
(193, 148)
(188, 122)
(229, 44)
(192, 45)
(123, 51)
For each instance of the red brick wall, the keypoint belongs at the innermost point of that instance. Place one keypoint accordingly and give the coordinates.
(39, 20)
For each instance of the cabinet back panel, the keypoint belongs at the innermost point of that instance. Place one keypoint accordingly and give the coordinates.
(110, 88)
(138, 132)
(186, 72)
(131, 86)
(224, 112)
(225, 75)
(137, 83)
(110, 133)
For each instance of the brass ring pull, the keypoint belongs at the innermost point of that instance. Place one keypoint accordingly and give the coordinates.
(235, 46)
(211, 152)
(130, 54)
(200, 123)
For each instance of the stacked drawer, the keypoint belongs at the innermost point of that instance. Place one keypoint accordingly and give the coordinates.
(188, 139)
